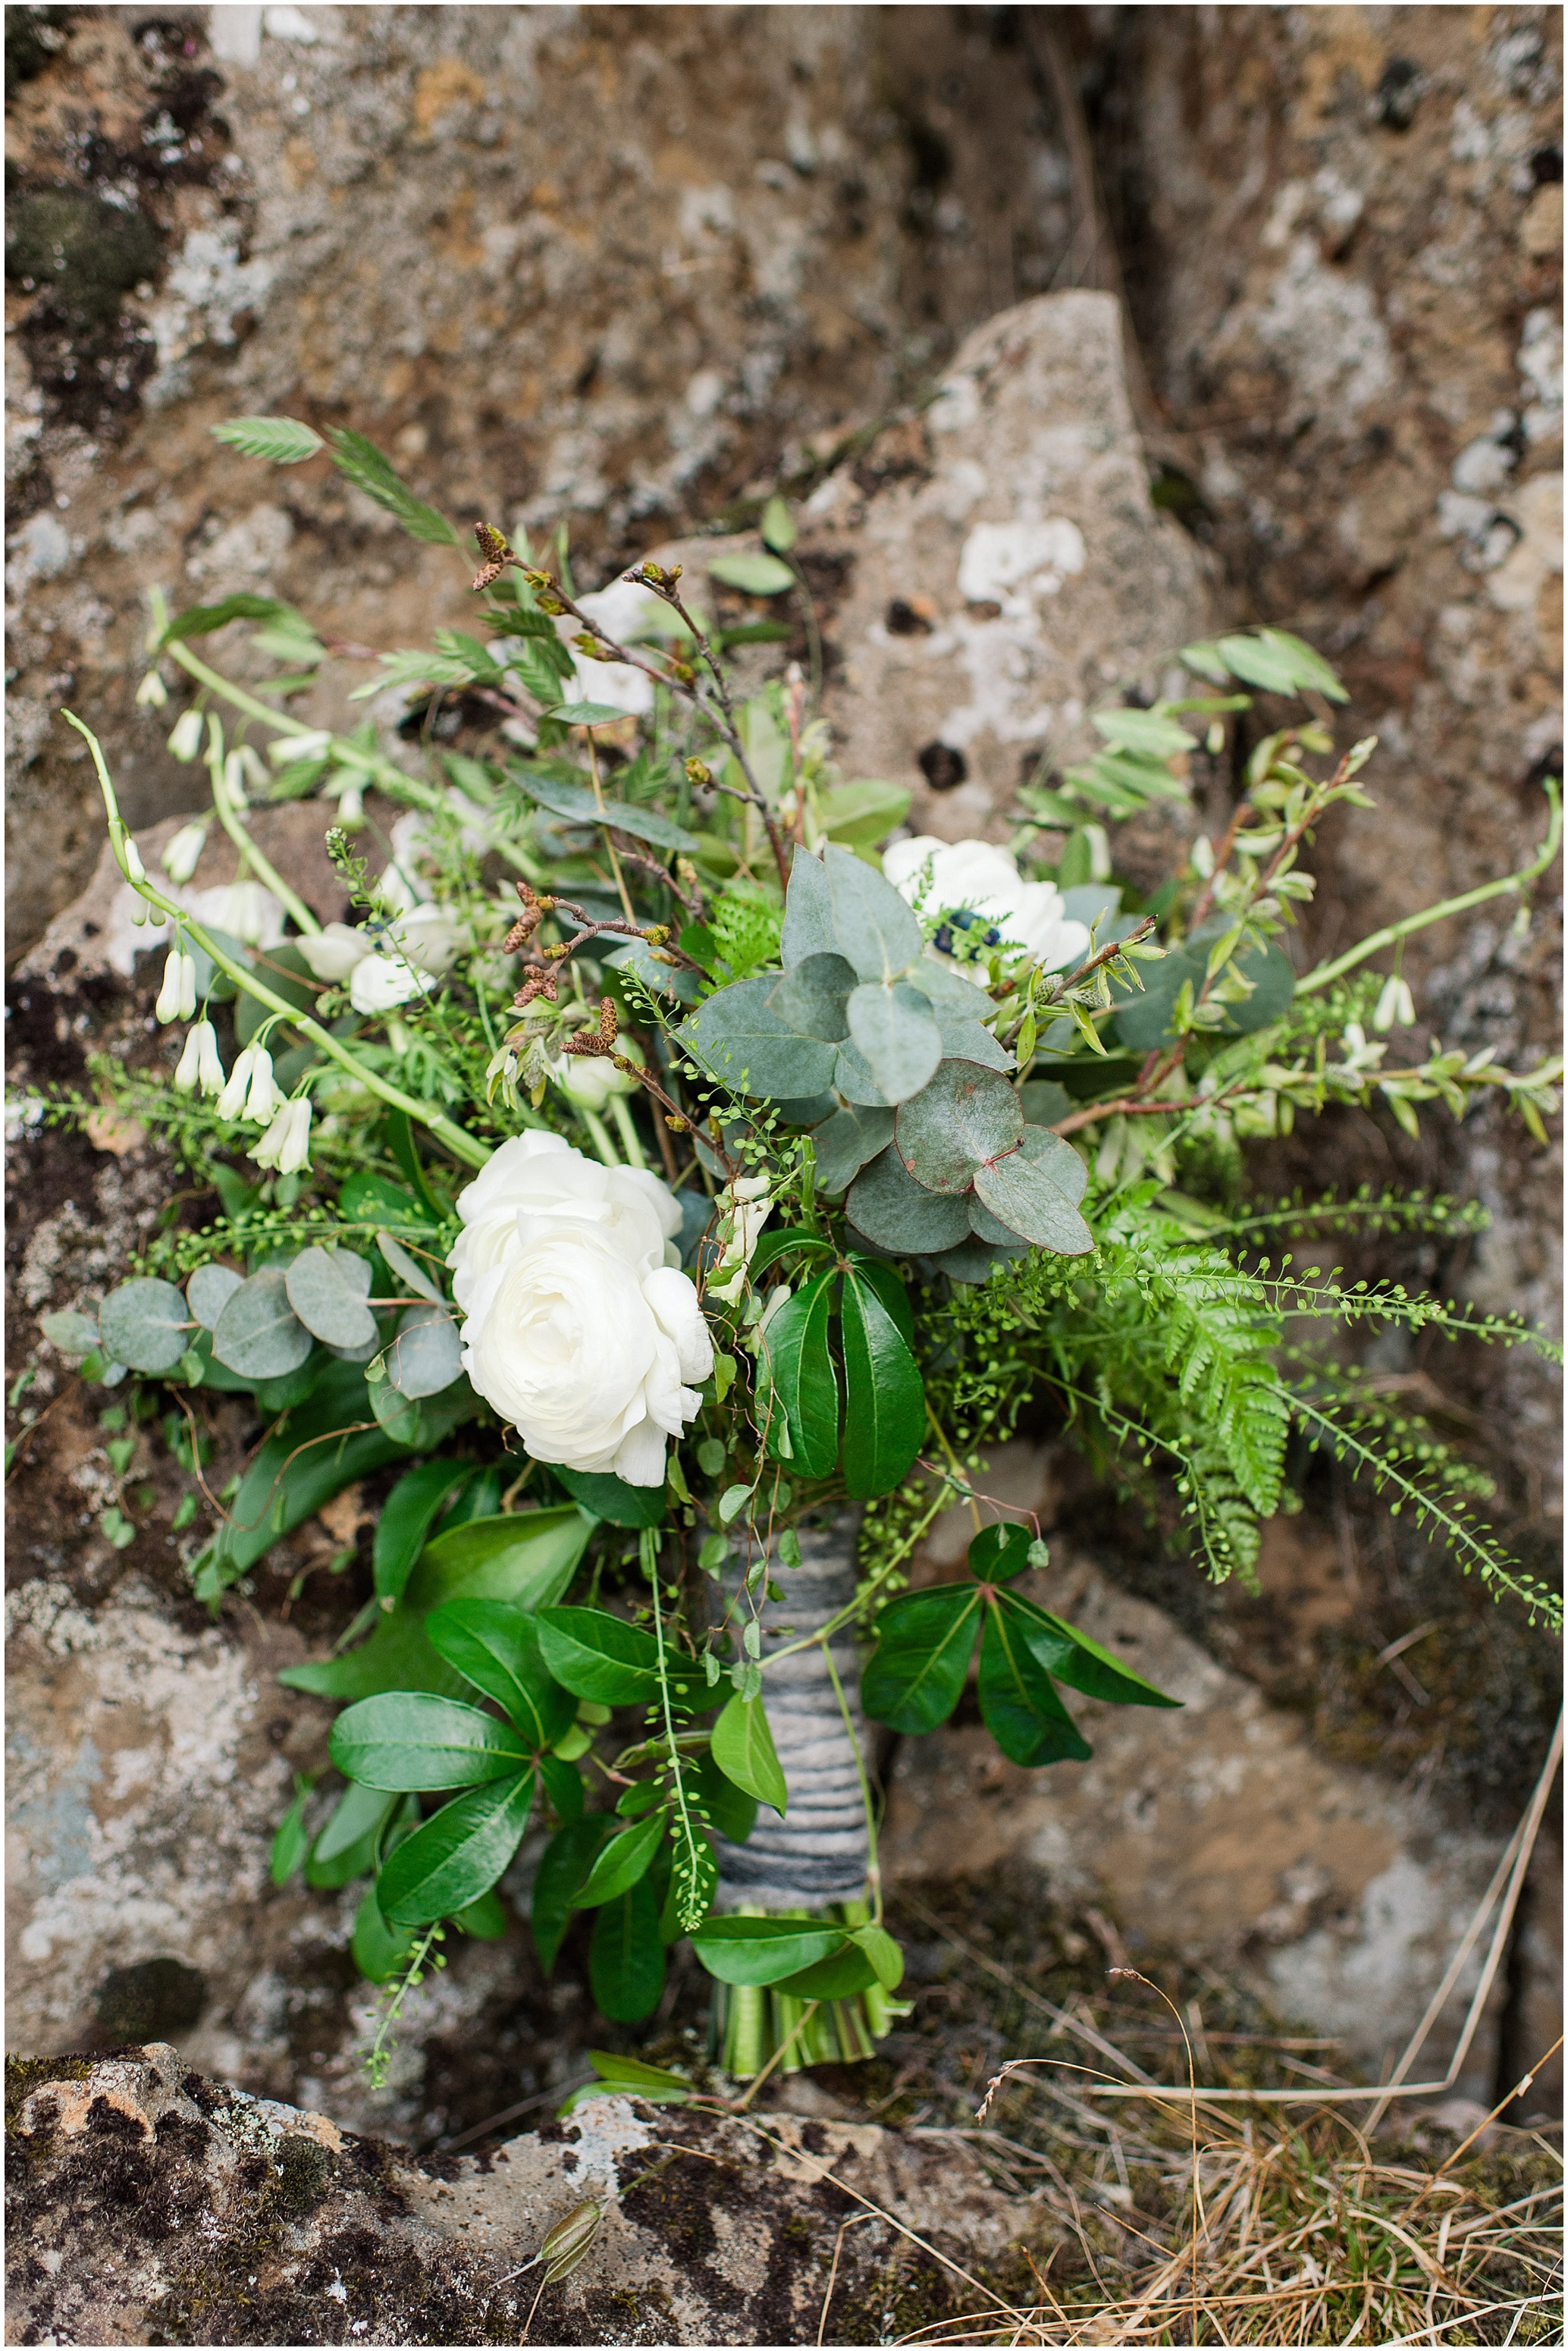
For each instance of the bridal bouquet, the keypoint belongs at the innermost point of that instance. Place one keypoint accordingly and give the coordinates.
(668, 1186)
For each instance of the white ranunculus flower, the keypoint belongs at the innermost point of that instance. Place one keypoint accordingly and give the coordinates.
(974, 878)
(385, 967)
(578, 1326)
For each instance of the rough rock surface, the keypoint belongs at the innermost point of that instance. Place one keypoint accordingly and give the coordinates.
(148, 2204)
(1341, 232)
(603, 264)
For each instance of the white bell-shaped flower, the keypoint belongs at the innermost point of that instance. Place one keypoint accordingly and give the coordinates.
(201, 1065)
(185, 742)
(183, 852)
(177, 997)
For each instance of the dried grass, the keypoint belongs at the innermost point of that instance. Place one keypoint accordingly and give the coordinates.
(1183, 2221)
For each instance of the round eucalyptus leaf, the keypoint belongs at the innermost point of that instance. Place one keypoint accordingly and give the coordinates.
(813, 997)
(258, 1335)
(425, 1356)
(328, 1288)
(895, 1029)
(972, 1260)
(144, 1325)
(208, 1291)
(964, 1118)
(897, 1214)
(1035, 1197)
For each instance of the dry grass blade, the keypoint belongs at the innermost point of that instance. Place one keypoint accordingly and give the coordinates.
(1188, 2220)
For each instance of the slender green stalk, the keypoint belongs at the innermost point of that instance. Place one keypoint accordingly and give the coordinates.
(1326, 973)
(687, 1840)
(464, 1147)
(261, 865)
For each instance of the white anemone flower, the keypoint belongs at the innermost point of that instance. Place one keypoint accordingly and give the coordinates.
(981, 901)
(385, 967)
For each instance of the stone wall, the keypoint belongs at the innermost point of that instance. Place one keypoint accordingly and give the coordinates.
(609, 266)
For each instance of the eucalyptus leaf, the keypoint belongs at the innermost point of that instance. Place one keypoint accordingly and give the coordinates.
(965, 1117)
(895, 1031)
(971, 1040)
(812, 998)
(807, 912)
(896, 1214)
(845, 1144)
(145, 1325)
(208, 1291)
(257, 1332)
(426, 1356)
(328, 1288)
(71, 1334)
(853, 1080)
(743, 1042)
(872, 924)
(408, 1269)
(1032, 1192)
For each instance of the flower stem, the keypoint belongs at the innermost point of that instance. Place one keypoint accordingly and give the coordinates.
(1326, 973)
(464, 1147)
(262, 866)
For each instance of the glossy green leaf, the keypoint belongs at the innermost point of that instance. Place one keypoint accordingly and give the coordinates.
(883, 1953)
(146, 1325)
(484, 1919)
(924, 1641)
(411, 1740)
(998, 1554)
(797, 1364)
(1025, 1192)
(525, 1556)
(326, 1288)
(1070, 1657)
(380, 1951)
(893, 1212)
(627, 2077)
(611, 1499)
(291, 1839)
(889, 1287)
(873, 926)
(494, 1644)
(845, 1143)
(258, 1334)
(563, 1865)
(397, 1656)
(621, 1862)
(859, 815)
(884, 1398)
(737, 1036)
(626, 1958)
(1018, 1702)
(896, 1034)
(323, 1447)
(732, 1812)
(812, 998)
(458, 1854)
(847, 1971)
(599, 1655)
(563, 1783)
(742, 1746)
(1148, 731)
(346, 1847)
(966, 1116)
(409, 1512)
(763, 1951)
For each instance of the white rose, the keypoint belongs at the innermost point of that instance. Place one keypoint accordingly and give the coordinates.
(578, 1326)
(972, 877)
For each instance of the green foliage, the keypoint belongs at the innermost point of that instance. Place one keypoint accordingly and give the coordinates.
(920, 1179)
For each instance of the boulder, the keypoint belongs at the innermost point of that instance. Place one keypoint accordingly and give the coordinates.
(150, 2204)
